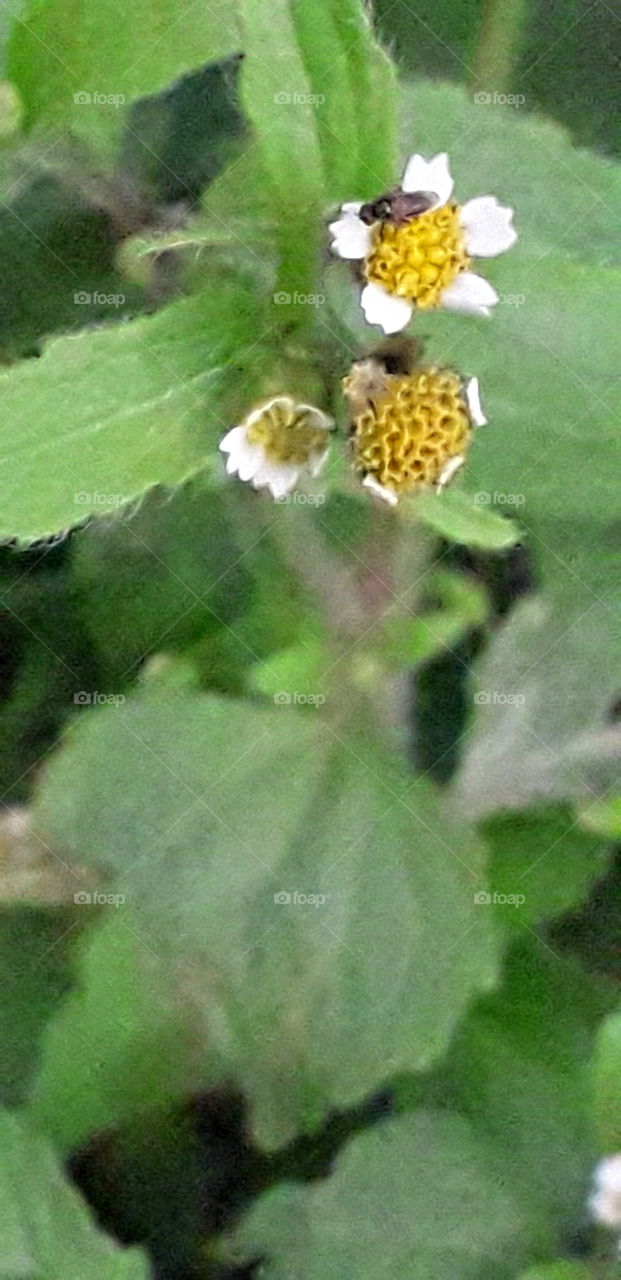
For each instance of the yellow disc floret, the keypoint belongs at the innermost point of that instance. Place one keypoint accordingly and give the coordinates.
(408, 433)
(419, 260)
(288, 432)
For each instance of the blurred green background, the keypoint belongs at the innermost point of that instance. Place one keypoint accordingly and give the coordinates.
(563, 55)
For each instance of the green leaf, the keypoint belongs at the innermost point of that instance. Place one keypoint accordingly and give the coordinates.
(462, 604)
(453, 515)
(161, 577)
(76, 68)
(294, 673)
(531, 742)
(115, 1048)
(277, 94)
(543, 858)
(36, 948)
(46, 1229)
(315, 88)
(354, 83)
(519, 1072)
(412, 1199)
(607, 1084)
(315, 84)
(104, 415)
(602, 817)
(377, 932)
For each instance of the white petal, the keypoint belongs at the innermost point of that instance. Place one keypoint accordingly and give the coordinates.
(606, 1209)
(248, 461)
(232, 463)
(352, 238)
(279, 478)
(233, 440)
(488, 227)
(243, 457)
(473, 400)
(470, 294)
(429, 175)
(607, 1174)
(449, 470)
(316, 464)
(316, 417)
(385, 309)
(388, 495)
(281, 402)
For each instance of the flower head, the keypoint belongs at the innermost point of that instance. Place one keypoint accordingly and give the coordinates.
(422, 259)
(409, 429)
(605, 1203)
(276, 443)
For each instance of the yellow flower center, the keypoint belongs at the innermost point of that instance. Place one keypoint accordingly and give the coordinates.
(419, 260)
(288, 432)
(407, 435)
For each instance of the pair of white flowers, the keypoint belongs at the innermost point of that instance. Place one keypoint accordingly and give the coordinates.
(410, 263)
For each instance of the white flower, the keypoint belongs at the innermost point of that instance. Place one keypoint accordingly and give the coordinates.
(409, 430)
(276, 443)
(605, 1203)
(423, 261)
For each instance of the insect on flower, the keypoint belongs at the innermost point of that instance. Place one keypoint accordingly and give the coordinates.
(417, 245)
(397, 207)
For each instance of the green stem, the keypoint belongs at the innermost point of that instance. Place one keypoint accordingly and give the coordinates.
(332, 585)
(296, 283)
(383, 579)
(499, 44)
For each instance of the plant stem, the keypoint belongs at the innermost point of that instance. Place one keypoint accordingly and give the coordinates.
(298, 253)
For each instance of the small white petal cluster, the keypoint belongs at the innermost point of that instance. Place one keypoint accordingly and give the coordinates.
(250, 461)
(487, 231)
(605, 1203)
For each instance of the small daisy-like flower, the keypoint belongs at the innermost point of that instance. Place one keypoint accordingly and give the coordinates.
(276, 443)
(605, 1203)
(417, 244)
(410, 429)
